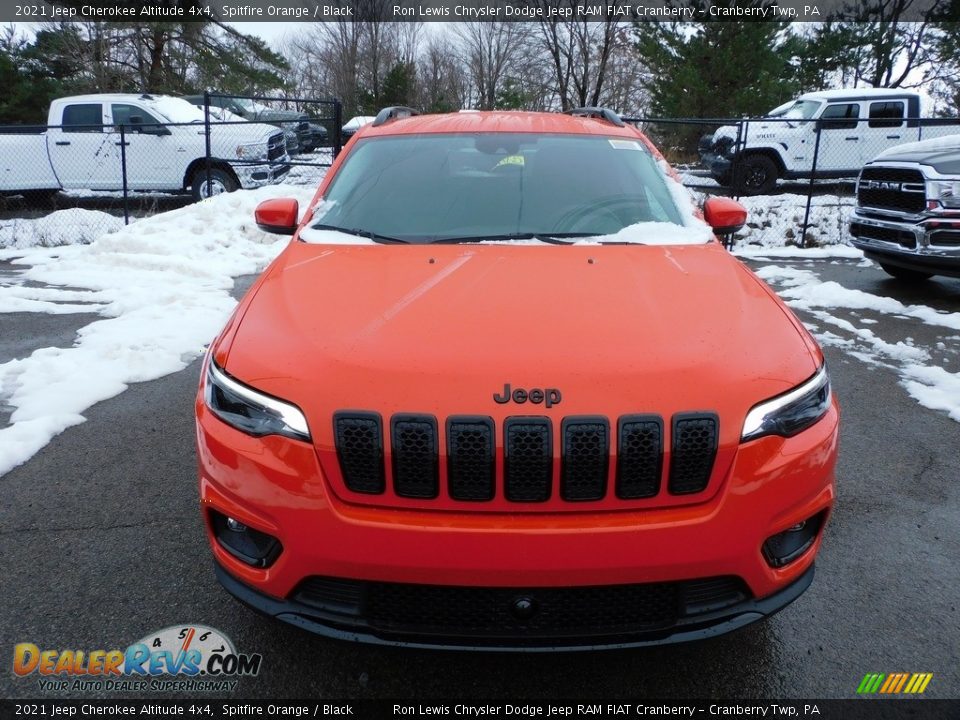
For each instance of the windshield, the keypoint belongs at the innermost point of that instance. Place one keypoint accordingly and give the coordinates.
(802, 109)
(175, 110)
(497, 186)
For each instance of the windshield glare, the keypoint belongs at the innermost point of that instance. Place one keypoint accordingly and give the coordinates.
(436, 188)
(802, 109)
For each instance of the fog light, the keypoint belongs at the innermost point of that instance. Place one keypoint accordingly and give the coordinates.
(243, 542)
(785, 547)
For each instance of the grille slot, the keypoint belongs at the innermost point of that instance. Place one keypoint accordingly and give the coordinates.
(586, 454)
(470, 458)
(694, 449)
(949, 238)
(359, 442)
(413, 446)
(910, 196)
(873, 232)
(639, 456)
(527, 459)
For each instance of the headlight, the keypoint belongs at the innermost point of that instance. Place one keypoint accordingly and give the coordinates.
(251, 411)
(946, 192)
(253, 151)
(790, 413)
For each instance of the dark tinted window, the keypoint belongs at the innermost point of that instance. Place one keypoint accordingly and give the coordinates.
(83, 118)
(123, 113)
(886, 114)
(840, 117)
(425, 188)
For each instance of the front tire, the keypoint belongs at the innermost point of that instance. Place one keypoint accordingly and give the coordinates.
(221, 182)
(905, 274)
(755, 175)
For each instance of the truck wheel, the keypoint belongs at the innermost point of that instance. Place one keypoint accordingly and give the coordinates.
(756, 175)
(220, 182)
(902, 273)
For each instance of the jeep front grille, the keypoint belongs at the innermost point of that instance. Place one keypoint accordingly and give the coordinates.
(524, 459)
(276, 148)
(892, 188)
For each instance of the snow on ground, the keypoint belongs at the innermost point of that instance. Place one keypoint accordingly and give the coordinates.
(775, 221)
(929, 384)
(162, 287)
(63, 227)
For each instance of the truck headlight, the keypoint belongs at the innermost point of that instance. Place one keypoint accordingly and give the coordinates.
(251, 411)
(794, 411)
(253, 151)
(946, 192)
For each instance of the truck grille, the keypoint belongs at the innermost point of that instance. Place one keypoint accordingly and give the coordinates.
(888, 188)
(491, 612)
(276, 148)
(527, 456)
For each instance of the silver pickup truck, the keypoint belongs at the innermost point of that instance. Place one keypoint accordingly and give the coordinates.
(165, 149)
(907, 216)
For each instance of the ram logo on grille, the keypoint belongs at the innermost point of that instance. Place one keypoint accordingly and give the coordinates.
(879, 185)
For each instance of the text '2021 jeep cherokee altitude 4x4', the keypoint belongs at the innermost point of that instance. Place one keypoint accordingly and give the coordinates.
(505, 389)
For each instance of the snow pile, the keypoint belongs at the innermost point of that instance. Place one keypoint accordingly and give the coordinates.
(777, 220)
(74, 226)
(162, 286)
(930, 385)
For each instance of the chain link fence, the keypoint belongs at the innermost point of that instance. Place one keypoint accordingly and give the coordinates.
(796, 176)
(112, 159)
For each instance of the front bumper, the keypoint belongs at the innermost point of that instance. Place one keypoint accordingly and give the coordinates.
(912, 243)
(256, 175)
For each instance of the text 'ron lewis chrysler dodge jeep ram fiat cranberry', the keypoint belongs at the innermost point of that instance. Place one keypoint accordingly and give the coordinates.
(505, 389)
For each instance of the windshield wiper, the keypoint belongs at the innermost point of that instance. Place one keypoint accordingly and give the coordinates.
(552, 238)
(360, 232)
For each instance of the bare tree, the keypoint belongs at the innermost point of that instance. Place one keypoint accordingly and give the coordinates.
(579, 52)
(489, 49)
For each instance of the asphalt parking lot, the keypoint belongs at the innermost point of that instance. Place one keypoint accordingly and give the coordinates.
(101, 542)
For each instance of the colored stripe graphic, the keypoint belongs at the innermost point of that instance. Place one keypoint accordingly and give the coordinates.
(894, 683)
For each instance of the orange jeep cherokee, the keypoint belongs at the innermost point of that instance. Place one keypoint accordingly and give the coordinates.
(505, 389)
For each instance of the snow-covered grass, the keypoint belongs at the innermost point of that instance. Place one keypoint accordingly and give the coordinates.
(162, 287)
(777, 220)
(73, 226)
(929, 384)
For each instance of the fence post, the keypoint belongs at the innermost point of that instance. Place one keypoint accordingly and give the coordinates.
(123, 170)
(813, 172)
(337, 125)
(206, 132)
(743, 130)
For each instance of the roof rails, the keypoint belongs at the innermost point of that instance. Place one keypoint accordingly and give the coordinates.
(600, 113)
(396, 112)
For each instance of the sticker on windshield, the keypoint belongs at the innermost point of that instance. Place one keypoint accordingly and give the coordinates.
(625, 144)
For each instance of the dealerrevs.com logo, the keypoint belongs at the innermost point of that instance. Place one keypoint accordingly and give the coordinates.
(182, 658)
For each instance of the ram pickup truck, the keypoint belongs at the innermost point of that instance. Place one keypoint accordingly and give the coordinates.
(165, 149)
(854, 125)
(291, 121)
(907, 216)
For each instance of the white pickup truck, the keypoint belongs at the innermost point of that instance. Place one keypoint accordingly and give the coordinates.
(165, 149)
(854, 125)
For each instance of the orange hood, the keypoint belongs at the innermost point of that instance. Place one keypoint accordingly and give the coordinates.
(441, 329)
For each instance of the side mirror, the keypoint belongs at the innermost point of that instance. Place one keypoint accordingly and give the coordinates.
(278, 216)
(724, 215)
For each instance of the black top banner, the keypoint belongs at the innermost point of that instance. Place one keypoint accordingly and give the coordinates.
(468, 10)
